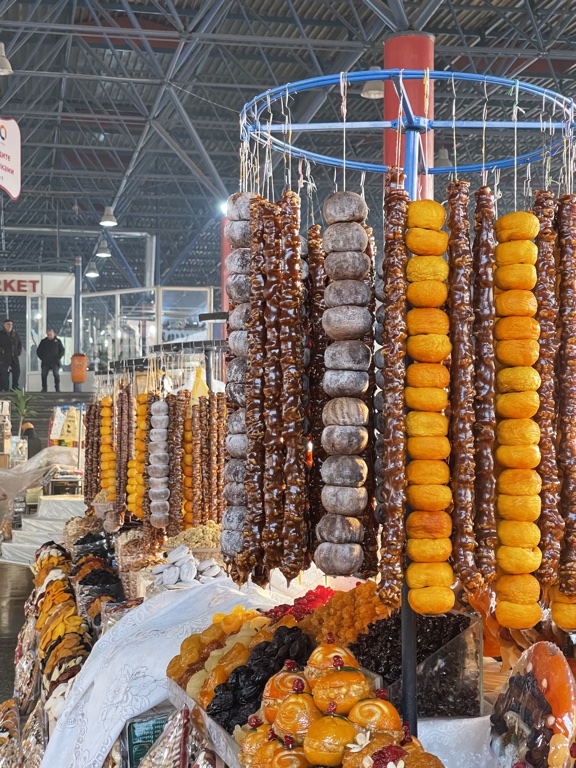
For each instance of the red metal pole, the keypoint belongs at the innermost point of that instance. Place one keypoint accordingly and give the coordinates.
(409, 51)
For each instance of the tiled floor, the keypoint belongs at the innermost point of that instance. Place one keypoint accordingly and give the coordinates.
(15, 586)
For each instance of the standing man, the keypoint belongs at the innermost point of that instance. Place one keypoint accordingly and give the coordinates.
(50, 352)
(10, 351)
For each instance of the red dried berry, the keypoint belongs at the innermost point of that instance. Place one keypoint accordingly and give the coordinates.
(254, 721)
(330, 638)
(573, 750)
(389, 754)
(289, 742)
(381, 693)
(331, 707)
(406, 729)
(271, 734)
(521, 764)
(290, 665)
(298, 685)
(337, 661)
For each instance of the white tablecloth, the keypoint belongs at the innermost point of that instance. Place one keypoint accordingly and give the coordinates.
(61, 507)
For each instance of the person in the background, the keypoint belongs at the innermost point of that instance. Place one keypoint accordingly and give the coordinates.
(10, 351)
(50, 352)
(34, 442)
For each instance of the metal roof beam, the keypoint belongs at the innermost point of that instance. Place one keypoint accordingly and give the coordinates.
(426, 13)
(383, 12)
(181, 152)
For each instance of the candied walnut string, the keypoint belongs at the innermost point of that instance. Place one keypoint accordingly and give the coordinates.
(550, 521)
(462, 386)
(484, 384)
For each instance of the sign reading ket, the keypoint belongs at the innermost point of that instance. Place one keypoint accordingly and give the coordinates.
(10, 158)
(18, 284)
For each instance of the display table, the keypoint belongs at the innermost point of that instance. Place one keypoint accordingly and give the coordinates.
(60, 507)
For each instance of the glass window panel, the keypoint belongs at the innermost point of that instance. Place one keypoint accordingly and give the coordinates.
(137, 323)
(99, 330)
(180, 310)
(59, 317)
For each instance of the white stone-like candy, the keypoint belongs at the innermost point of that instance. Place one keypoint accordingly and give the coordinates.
(171, 575)
(159, 408)
(177, 553)
(158, 470)
(159, 422)
(188, 571)
(158, 435)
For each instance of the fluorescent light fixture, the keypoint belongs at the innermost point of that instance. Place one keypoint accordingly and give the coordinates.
(108, 219)
(373, 89)
(92, 270)
(5, 66)
(103, 251)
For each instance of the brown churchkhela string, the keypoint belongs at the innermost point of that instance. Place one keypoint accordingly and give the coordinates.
(567, 402)
(393, 374)
(462, 385)
(295, 531)
(484, 385)
(316, 370)
(550, 521)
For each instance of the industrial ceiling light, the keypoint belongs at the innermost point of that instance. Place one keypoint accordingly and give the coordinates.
(103, 251)
(108, 219)
(443, 158)
(92, 270)
(5, 66)
(224, 208)
(373, 89)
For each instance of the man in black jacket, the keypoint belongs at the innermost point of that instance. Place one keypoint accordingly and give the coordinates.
(10, 351)
(50, 351)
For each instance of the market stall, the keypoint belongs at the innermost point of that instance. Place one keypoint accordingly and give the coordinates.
(311, 567)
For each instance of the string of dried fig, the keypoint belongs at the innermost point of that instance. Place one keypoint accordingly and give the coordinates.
(550, 521)
(462, 386)
(566, 223)
(295, 529)
(393, 374)
(484, 385)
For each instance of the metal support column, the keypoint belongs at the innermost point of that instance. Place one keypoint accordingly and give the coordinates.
(78, 311)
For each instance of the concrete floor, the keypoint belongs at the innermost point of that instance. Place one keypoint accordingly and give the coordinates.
(15, 586)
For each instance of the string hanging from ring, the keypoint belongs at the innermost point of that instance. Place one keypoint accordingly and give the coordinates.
(484, 121)
(528, 186)
(399, 124)
(516, 91)
(343, 112)
(426, 83)
(497, 190)
(454, 149)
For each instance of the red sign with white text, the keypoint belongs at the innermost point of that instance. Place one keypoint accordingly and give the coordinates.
(10, 158)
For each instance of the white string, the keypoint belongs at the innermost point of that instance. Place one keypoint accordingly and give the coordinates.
(497, 190)
(343, 110)
(484, 121)
(362, 185)
(454, 128)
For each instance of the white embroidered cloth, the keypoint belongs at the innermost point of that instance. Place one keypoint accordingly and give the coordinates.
(125, 675)
(458, 742)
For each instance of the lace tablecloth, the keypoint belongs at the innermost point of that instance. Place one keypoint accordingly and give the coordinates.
(125, 675)
(458, 742)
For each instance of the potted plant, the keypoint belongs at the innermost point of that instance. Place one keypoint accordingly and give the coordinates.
(22, 407)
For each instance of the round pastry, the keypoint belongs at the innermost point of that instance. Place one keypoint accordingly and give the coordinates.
(290, 758)
(356, 758)
(265, 754)
(322, 660)
(295, 716)
(422, 760)
(376, 715)
(336, 692)
(326, 740)
(278, 688)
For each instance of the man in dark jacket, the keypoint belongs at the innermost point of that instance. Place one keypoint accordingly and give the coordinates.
(10, 351)
(50, 351)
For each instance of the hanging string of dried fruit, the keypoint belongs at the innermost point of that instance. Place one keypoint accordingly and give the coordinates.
(391, 491)
(238, 290)
(565, 615)
(370, 545)
(274, 448)
(295, 530)
(158, 468)
(250, 446)
(107, 452)
(518, 484)
(484, 385)
(429, 525)
(124, 446)
(187, 481)
(346, 321)
(92, 459)
(550, 522)
(317, 398)
(136, 466)
(176, 412)
(462, 385)
(221, 443)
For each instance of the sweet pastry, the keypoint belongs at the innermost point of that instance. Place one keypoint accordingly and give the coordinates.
(336, 692)
(376, 715)
(290, 758)
(295, 716)
(356, 756)
(326, 740)
(322, 660)
(278, 688)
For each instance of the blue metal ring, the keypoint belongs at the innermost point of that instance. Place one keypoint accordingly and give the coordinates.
(253, 127)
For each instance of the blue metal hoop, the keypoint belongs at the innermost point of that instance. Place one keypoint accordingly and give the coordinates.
(253, 127)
